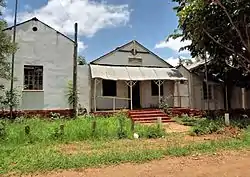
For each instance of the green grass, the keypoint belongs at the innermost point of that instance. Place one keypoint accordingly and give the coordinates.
(79, 147)
(84, 128)
(41, 157)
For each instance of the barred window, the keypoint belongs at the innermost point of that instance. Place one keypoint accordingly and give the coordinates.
(33, 77)
(155, 89)
(207, 95)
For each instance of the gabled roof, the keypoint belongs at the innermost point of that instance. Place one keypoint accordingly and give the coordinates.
(119, 48)
(35, 19)
(181, 65)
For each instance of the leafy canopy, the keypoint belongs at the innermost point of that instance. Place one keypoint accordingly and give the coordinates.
(219, 28)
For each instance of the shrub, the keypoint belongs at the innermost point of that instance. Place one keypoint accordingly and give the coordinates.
(207, 126)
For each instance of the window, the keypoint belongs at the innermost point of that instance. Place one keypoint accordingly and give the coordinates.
(33, 77)
(34, 28)
(155, 89)
(207, 95)
(108, 88)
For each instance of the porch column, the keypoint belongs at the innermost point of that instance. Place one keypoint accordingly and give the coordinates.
(159, 83)
(96, 82)
(189, 96)
(178, 93)
(243, 98)
(131, 84)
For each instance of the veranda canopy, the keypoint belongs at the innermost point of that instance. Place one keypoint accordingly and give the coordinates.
(129, 73)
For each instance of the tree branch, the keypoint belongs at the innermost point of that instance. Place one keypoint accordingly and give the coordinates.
(229, 49)
(232, 23)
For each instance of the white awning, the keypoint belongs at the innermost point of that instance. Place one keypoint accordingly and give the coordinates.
(127, 73)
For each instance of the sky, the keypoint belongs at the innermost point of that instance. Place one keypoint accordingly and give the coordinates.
(105, 25)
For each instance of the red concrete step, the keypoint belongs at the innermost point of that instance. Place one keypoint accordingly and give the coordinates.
(146, 112)
(150, 118)
(149, 115)
(150, 121)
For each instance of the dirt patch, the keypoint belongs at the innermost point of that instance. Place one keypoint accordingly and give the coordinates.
(174, 127)
(172, 139)
(229, 164)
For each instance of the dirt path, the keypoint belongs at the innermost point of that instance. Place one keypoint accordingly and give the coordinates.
(230, 164)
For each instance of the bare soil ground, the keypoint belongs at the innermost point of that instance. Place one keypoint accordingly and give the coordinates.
(174, 127)
(226, 164)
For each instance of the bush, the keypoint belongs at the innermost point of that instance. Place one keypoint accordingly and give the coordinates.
(207, 127)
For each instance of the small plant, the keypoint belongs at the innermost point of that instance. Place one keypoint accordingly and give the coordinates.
(207, 127)
(155, 132)
(93, 126)
(5, 99)
(27, 130)
(121, 132)
(81, 111)
(70, 93)
(58, 133)
(2, 130)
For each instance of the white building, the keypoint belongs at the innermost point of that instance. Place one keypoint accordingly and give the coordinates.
(130, 76)
(43, 65)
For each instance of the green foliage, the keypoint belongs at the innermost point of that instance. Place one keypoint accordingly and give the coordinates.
(6, 48)
(5, 98)
(2, 130)
(121, 131)
(81, 60)
(221, 29)
(70, 93)
(84, 128)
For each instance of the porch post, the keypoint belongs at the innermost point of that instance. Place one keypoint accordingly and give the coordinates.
(243, 98)
(95, 94)
(159, 83)
(131, 95)
(159, 97)
(178, 93)
(189, 97)
(131, 84)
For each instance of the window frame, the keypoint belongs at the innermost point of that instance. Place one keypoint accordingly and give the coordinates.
(155, 89)
(106, 85)
(209, 95)
(33, 78)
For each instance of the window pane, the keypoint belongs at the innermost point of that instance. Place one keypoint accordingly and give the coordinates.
(33, 77)
(155, 89)
(109, 88)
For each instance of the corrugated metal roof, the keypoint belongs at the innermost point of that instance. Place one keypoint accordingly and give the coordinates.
(134, 73)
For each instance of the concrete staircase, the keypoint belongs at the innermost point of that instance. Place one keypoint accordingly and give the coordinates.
(148, 116)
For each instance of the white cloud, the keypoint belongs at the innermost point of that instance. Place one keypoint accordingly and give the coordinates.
(174, 44)
(91, 16)
(81, 46)
(175, 61)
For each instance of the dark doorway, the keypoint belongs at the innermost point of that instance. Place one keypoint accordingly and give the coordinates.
(135, 96)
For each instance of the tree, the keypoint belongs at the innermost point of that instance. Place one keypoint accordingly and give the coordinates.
(81, 60)
(219, 28)
(6, 48)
